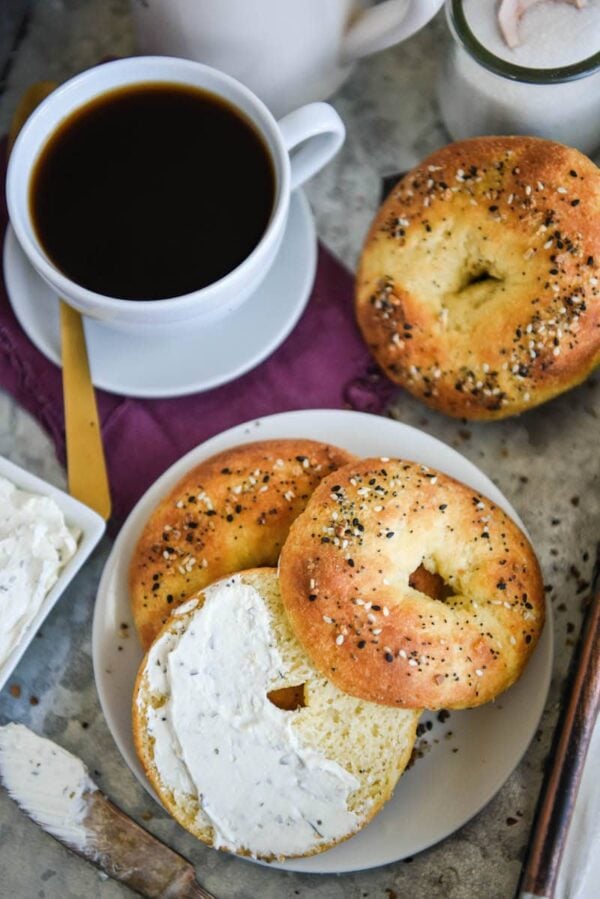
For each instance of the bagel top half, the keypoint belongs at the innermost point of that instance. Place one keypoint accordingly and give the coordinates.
(478, 288)
(349, 586)
(230, 512)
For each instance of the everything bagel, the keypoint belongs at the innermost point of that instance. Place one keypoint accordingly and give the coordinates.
(478, 288)
(346, 574)
(232, 511)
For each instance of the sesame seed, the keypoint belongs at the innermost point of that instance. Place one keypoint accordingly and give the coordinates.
(327, 619)
(402, 653)
(479, 672)
(339, 639)
(413, 663)
(376, 631)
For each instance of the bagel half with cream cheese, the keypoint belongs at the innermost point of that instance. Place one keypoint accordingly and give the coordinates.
(230, 512)
(478, 289)
(235, 761)
(350, 583)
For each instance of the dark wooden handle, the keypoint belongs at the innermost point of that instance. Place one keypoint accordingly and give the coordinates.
(127, 852)
(565, 764)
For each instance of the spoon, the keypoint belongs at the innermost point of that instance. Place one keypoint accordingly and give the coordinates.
(86, 465)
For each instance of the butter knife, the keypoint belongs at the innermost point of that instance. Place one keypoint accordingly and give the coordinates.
(54, 788)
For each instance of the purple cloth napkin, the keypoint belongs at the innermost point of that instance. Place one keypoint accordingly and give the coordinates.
(322, 364)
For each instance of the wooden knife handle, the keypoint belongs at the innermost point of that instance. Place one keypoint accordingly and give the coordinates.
(565, 764)
(127, 852)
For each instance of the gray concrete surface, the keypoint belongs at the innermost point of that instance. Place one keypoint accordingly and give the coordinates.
(546, 462)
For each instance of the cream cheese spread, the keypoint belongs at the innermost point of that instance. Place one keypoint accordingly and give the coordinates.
(35, 543)
(47, 782)
(219, 738)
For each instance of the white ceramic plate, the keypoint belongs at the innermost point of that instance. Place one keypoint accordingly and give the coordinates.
(461, 771)
(76, 515)
(195, 357)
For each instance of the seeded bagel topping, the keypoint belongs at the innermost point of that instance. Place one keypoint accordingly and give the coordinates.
(478, 288)
(443, 600)
(232, 510)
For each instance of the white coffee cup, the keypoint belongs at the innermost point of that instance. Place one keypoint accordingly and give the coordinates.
(289, 52)
(299, 145)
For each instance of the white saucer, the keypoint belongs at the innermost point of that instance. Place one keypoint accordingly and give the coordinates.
(198, 357)
(461, 770)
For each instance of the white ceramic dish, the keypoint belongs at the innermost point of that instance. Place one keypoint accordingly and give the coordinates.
(195, 357)
(88, 522)
(468, 757)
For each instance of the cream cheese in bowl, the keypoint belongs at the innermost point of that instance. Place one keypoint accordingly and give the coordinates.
(35, 545)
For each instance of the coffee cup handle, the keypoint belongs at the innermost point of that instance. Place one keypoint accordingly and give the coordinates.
(312, 136)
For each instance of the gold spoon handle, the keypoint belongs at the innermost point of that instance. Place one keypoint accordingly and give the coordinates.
(86, 466)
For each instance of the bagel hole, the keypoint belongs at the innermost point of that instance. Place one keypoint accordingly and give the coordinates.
(479, 273)
(288, 698)
(430, 583)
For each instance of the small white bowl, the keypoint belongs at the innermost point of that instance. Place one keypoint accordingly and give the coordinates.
(88, 522)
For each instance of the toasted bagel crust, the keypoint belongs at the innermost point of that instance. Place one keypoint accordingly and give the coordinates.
(233, 511)
(345, 571)
(478, 288)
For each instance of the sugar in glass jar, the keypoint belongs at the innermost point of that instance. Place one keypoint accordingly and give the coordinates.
(548, 85)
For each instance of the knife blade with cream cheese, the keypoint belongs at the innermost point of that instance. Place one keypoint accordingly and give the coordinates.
(54, 788)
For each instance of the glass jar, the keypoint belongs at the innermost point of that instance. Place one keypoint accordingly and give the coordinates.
(480, 93)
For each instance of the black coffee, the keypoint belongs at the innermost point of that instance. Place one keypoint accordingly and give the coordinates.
(152, 191)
